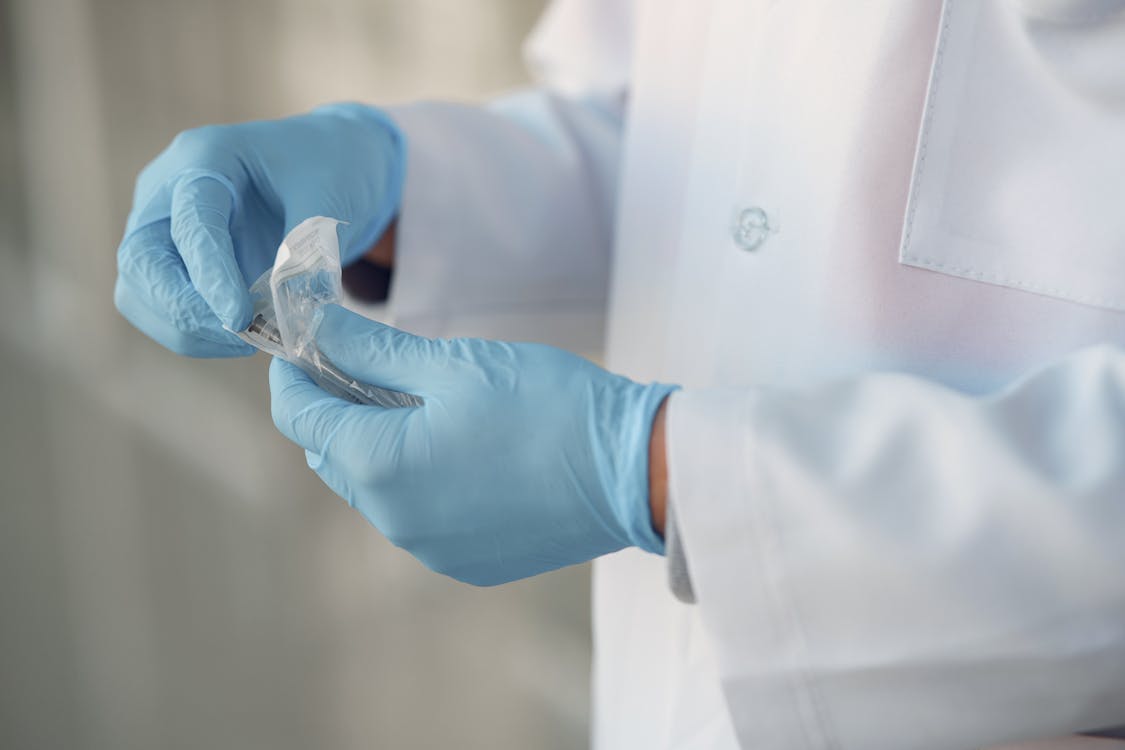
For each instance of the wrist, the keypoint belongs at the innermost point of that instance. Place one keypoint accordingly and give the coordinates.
(628, 422)
(369, 279)
(382, 253)
(658, 470)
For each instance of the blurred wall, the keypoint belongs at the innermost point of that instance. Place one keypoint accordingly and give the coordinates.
(171, 574)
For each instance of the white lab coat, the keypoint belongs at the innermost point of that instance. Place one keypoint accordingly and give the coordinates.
(898, 461)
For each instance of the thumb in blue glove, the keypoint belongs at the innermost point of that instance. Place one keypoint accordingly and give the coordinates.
(523, 458)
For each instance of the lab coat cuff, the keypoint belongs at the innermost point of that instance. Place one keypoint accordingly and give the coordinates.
(679, 579)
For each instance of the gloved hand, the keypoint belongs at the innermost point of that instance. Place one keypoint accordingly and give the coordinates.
(523, 459)
(210, 211)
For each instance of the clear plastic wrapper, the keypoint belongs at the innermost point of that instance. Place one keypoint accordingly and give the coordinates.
(288, 302)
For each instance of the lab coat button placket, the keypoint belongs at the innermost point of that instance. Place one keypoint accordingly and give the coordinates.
(751, 228)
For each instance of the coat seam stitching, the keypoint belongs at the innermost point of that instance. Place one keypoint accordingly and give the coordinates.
(927, 125)
(810, 706)
(1003, 280)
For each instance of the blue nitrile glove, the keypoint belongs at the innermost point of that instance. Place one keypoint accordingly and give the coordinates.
(210, 211)
(524, 458)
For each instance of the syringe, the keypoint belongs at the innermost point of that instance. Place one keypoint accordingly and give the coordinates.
(263, 334)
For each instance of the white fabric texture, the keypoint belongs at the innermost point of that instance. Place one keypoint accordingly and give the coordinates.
(898, 461)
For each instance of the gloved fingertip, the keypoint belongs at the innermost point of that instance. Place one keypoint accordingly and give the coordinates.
(240, 348)
(228, 342)
(237, 312)
(314, 460)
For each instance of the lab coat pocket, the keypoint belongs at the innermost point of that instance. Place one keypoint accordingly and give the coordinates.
(1019, 176)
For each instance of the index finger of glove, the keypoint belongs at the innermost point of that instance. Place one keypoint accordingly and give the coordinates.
(155, 294)
(201, 211)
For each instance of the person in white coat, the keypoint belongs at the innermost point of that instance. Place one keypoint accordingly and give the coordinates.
(879, 249)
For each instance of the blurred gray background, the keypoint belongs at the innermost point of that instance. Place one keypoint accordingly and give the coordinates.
(171, 574)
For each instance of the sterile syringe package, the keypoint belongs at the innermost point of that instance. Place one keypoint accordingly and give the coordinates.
(288, 306)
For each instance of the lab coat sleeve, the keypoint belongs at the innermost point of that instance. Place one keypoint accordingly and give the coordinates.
(506, 223)
(887, 563)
